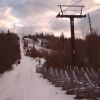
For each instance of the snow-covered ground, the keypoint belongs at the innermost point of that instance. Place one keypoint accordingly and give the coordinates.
(38, 47)
(23, 83)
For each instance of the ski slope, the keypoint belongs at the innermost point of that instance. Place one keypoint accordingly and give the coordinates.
(23, 83)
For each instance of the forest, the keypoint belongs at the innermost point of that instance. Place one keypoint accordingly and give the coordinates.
(9, 50)
(87, 51)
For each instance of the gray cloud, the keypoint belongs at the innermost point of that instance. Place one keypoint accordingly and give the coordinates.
(26, 7)
(34, 15)
(83, 24)
(60, 24)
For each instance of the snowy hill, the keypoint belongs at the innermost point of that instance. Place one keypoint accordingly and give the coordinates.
(23, 83)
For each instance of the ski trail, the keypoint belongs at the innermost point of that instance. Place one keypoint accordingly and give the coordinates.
(23, 83)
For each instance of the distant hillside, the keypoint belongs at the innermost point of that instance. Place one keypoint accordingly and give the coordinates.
(87, 52)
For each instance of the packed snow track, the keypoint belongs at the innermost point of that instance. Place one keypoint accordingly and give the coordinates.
(23, 83)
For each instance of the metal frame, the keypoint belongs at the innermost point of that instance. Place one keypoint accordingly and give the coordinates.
(72, 17)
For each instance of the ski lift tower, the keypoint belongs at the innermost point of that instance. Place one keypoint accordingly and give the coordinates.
(71, 12)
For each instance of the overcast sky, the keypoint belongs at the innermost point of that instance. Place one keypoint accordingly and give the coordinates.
(31, 16)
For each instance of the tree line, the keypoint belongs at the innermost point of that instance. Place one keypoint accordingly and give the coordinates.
(87, 50)
(9, 51)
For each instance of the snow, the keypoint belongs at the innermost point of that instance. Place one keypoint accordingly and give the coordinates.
(40, 48)
(23, 83)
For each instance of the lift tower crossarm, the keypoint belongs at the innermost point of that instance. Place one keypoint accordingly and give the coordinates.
(72, 5)
(70, 16)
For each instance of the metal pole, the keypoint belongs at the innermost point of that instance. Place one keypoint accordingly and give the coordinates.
(90, 23)
(62, 15)
(72, 40)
